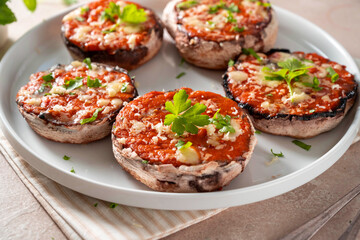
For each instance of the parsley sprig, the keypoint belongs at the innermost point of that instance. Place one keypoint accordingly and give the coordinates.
(185, 117)
(291, 70)
(72, 84)
(93, 118)
(93, 83)
(186, 5)
(314, 85)
(223, 123)
(181, 145)
(130, 13)
(333, 75)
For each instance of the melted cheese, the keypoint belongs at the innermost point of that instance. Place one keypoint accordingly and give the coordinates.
(238, 76)
(238, 131)
(137, 127)
(188, 156)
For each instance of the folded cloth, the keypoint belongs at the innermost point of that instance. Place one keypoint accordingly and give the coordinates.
(83, 217)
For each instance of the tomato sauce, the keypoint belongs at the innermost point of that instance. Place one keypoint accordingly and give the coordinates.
(71, 106)
(328, 99)
(250, 19)
(96, 38)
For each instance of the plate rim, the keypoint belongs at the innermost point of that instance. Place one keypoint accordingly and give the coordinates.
(43, 166)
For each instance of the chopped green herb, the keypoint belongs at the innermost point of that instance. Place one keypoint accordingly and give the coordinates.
(69, 2)
(144, 162)
(302, 145)
(291, 69)
(222, 123)
(84, 9)
(113, 205)
(269, 95)
(230, 18)
(87, 61)
(80, 19)
(180, 75)
(93, 118)
(277, 154)
(72, 170)
(308, 60)
(30, 4)
(47, 94)
(237, 29)
(95, 204)
(182, 61)
(93, 83)
(334, 76)
(233, 8)
(7, 16)
(250, 51)
(110, 12)
(43, 86)
(264, 4)
(181, 145)
(213, 9)
(257, 132)
(72, 93)
(312, 110)
(72, 84)
(66, 157)
(314, 85)
(231, 63)
(124, 87)
(48, 78)
(185, 117)
(186, 5)
(132, 14)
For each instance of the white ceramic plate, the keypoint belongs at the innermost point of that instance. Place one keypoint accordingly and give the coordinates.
(97, 172)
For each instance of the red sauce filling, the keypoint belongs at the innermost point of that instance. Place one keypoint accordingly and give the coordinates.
(252, 21)
(96, 41)
(70, 101)
(150, 108)
(255, 94)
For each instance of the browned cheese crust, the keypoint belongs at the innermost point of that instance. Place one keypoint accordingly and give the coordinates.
(216, 53)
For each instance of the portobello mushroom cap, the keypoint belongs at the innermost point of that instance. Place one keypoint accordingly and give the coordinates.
(51, 121)
(311, 121)
(175, 176)
(215, 54)
(127, 58)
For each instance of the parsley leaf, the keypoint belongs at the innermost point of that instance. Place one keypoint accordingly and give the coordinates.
(95, 204)
(181, 145)
(291, 70)
(43, 86)
(180, 75)
(230, 18)
(250, 51)
(314, 85)
(93, 83)
(72, 170)
(186, 5)
(231, 63)
(110, 12)
(233, 8)
(93, 118)
(144, 161)
(48, 78)
(257, 132)
(222, 123)
(187, 121)
(87, 61)
(264, 4)
(6, 15)
(113, 205)
(302, 145)
(277, 154)
(334, 76)
(237, 29)
(72, 84)
(66, 157)
(124, 87)
(213, 9)
(30, 4)
(132, 14)
(84, 10)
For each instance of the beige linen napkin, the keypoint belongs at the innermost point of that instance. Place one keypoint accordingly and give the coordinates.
(78, 217)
